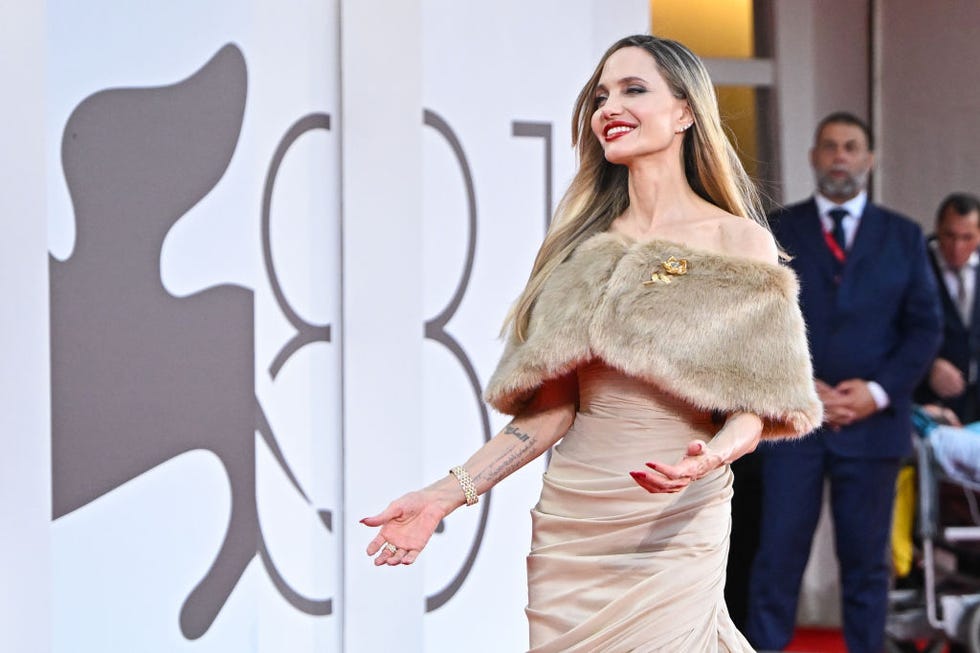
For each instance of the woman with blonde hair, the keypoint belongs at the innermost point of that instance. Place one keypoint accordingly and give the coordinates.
(658, 339)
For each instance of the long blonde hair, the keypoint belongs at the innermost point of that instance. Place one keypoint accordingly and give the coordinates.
(599, 191)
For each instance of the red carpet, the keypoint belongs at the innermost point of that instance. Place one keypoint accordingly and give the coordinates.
(817, 640)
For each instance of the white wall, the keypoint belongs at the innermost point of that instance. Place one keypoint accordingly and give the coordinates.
(821, 57)
(381, 72)
(929, 100)
(25, 479)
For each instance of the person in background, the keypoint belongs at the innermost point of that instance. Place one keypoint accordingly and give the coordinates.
(952, 379)
(870, 304)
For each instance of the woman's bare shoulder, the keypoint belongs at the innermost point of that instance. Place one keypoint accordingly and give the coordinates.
(747, 238)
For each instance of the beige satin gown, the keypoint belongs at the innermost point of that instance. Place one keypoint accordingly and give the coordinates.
(613, 568)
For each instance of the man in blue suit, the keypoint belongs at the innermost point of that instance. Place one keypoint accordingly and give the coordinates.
(873, 317)
(952, 379)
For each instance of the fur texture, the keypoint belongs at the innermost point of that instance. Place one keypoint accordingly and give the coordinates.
(726, 336)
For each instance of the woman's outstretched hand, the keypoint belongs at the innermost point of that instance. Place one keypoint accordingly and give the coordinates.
(406, 526)
(697, 462)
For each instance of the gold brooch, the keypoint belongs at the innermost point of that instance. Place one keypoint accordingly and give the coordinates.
(672, 267)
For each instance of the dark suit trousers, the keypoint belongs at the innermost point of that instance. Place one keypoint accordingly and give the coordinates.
(862, 494)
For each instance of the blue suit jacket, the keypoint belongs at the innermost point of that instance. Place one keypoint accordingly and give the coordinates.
(877, 319)
(960, 344)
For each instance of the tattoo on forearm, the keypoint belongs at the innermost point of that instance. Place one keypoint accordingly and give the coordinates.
(510, 429)
(504, 465)
(509, 461)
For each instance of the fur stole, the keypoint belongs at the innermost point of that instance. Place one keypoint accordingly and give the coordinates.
(722, 332)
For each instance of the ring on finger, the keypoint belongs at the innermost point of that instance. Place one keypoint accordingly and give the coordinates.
(389, 547)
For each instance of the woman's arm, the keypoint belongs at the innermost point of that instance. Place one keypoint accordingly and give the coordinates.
(740, 435)
(408, 522)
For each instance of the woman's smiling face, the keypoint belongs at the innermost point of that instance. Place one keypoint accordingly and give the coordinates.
(636, 114)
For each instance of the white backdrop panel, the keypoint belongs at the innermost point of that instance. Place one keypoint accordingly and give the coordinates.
(291, 58)
(491, 72)
(25, 480)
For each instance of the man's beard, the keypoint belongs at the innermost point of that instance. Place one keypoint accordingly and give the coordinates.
(847, 186)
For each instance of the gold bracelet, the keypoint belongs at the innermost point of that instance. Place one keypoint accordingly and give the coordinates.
(466, 483)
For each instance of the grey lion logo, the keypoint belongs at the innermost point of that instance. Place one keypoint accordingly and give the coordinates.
(138, 375)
